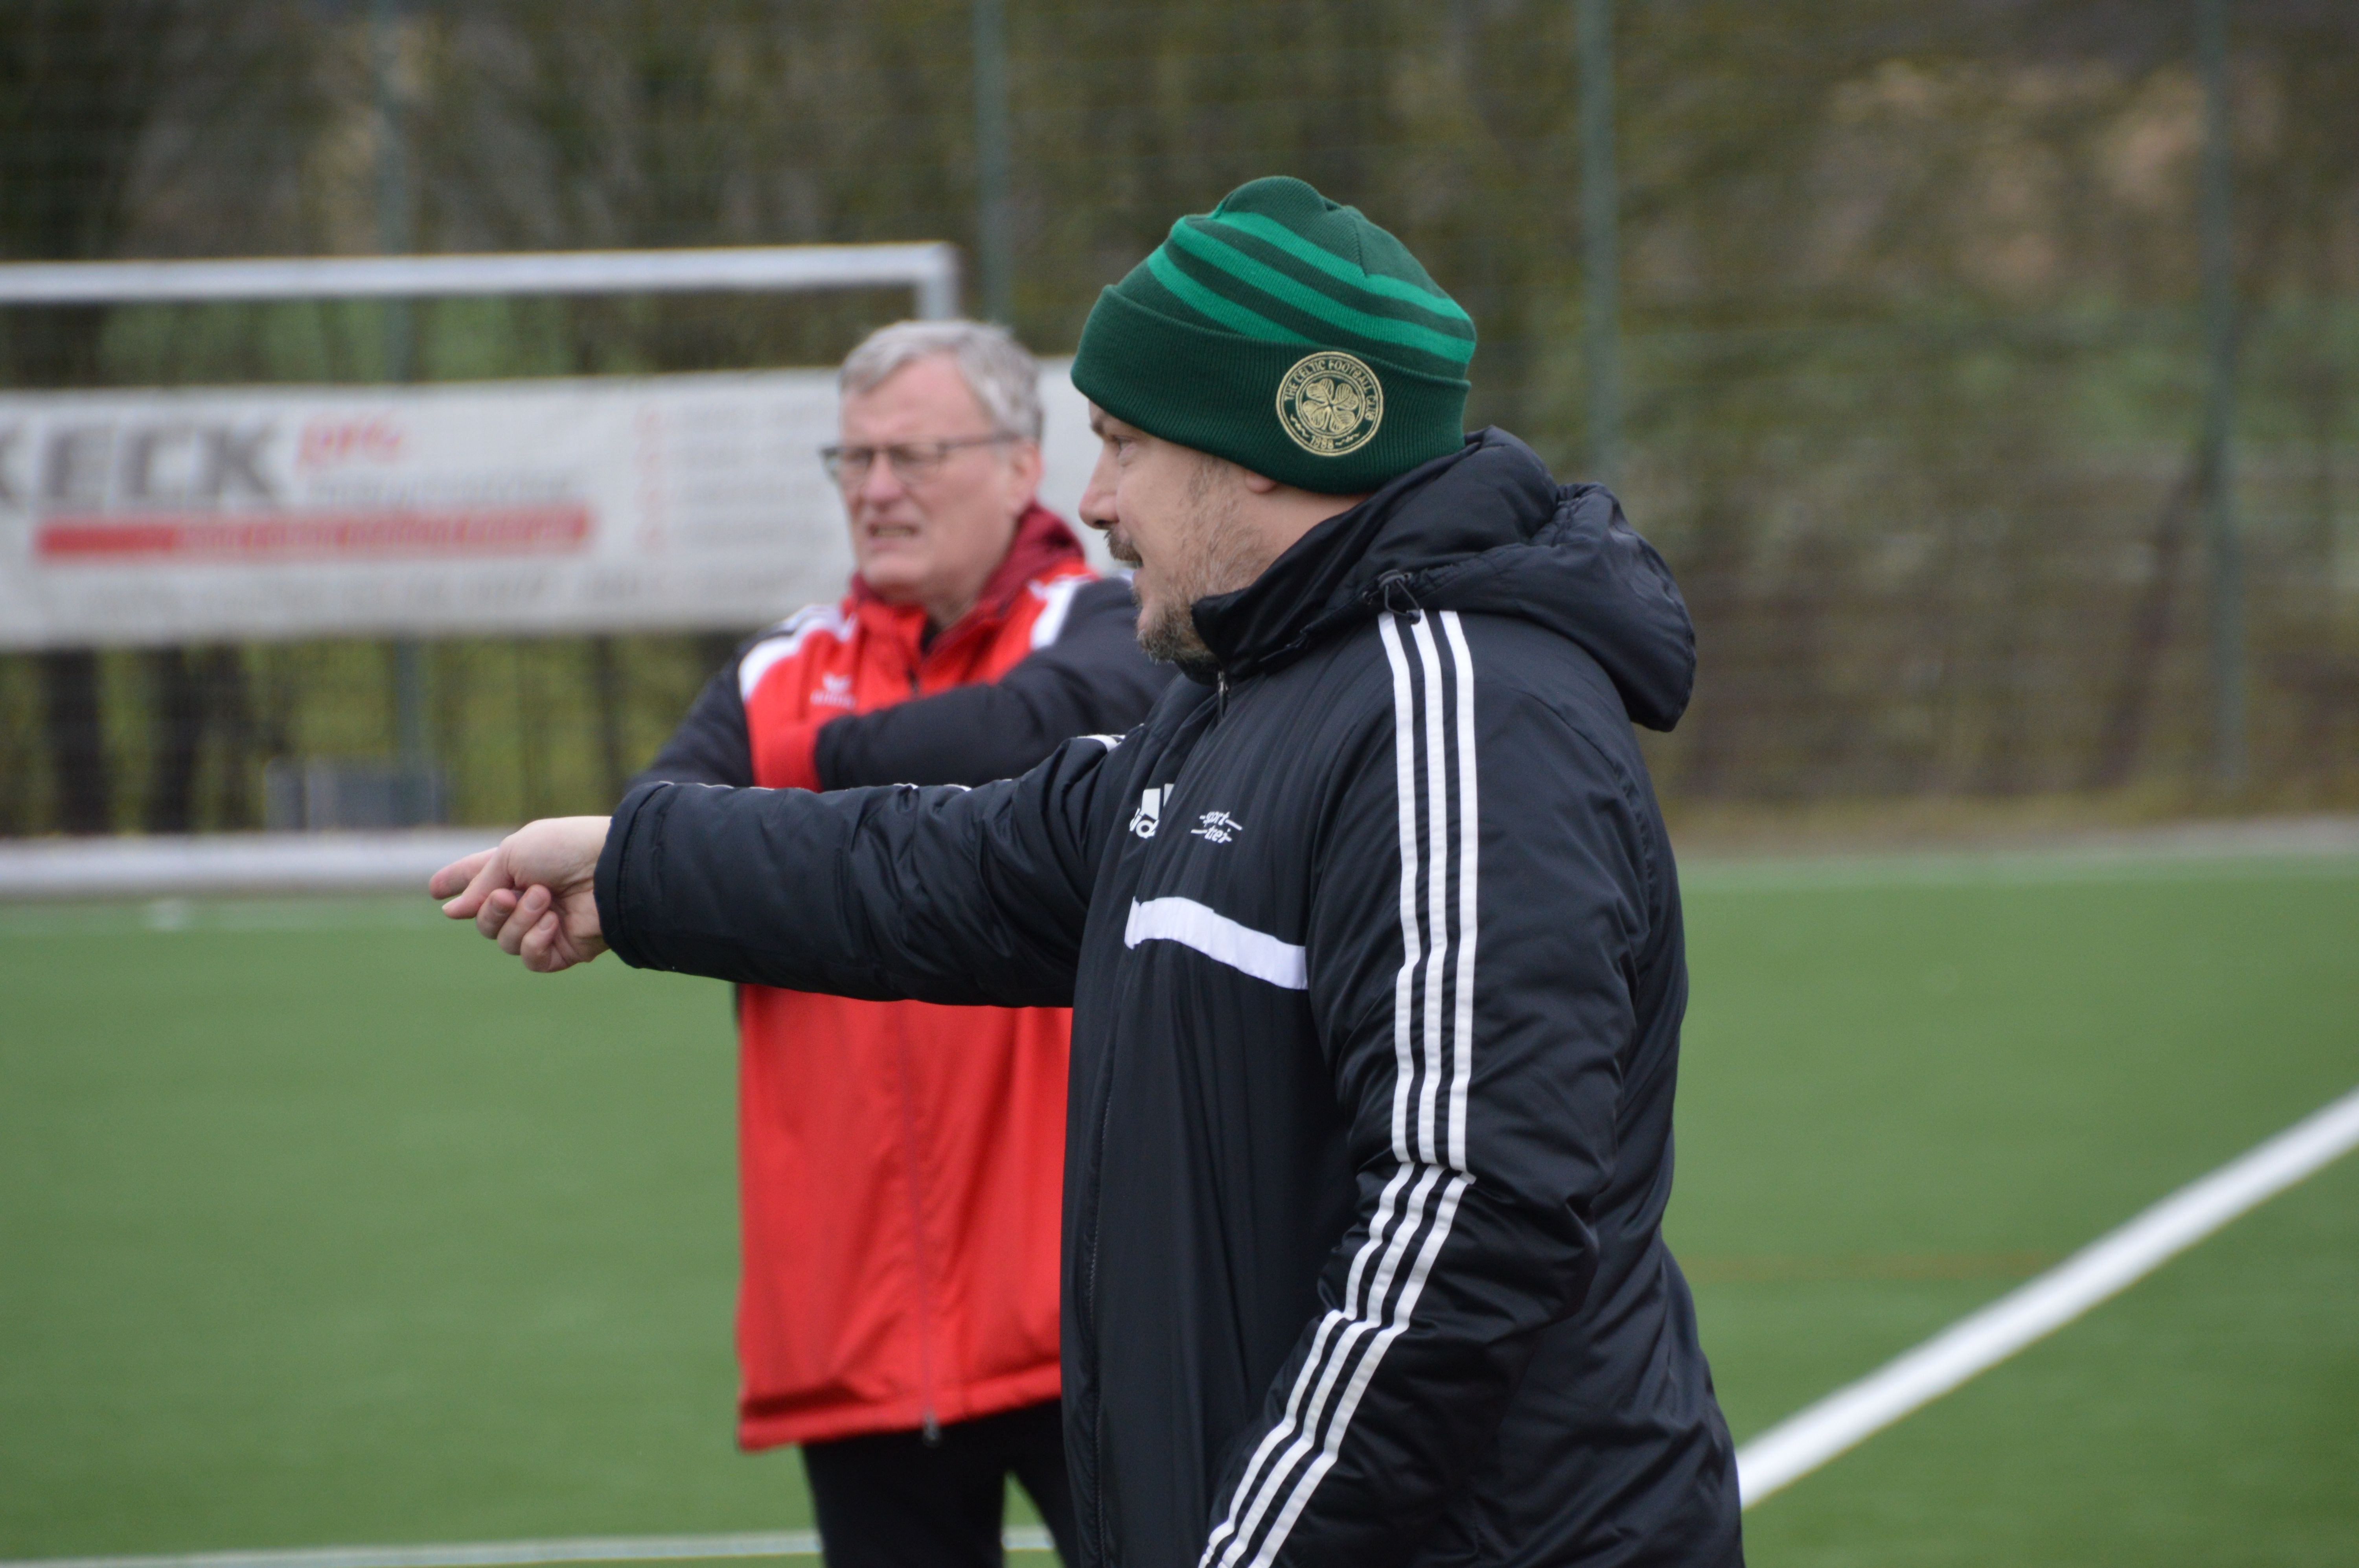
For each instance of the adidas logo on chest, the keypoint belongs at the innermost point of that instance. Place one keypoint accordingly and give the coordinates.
(1149, 815)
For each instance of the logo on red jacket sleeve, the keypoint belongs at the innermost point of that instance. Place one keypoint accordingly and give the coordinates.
(833, 691)
(786, 640)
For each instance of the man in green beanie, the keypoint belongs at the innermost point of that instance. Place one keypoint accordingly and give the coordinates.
(1371, 932)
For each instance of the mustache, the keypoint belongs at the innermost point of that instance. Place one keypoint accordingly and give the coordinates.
(1119, 547)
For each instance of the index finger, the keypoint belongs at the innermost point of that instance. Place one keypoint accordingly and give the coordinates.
(452, 878)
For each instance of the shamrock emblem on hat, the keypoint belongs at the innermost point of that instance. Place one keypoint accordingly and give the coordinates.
(1331, 404)
(1331, 407)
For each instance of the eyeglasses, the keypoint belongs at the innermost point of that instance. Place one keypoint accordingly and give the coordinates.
(914, 462)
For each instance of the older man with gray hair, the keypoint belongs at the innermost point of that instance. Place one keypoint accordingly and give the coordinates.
(901, 1163)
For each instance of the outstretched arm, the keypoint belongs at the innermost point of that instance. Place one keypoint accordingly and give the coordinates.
(942, 894)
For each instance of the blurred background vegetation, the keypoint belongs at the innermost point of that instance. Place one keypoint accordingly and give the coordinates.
(1912, 346)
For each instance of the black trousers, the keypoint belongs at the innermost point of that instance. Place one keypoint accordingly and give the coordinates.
(894, 1500)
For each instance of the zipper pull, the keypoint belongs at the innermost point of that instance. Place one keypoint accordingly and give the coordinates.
(1392, 591)
(931, 1432)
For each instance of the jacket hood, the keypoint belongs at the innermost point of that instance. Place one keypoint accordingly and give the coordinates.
(1485, 529)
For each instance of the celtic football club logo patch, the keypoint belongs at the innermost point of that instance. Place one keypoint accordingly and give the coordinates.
(1331, 404)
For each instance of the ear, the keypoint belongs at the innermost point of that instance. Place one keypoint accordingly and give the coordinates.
(1024, 471)
(1258, 484)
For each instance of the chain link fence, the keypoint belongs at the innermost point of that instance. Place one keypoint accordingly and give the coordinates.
(1913, 355)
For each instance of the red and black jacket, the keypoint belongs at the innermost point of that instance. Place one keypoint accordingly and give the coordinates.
(900, 1163)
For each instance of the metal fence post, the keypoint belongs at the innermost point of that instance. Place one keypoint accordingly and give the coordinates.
(1600, 242)
(992, 242)
(395, 237)
(394, 228)
(2229, 744)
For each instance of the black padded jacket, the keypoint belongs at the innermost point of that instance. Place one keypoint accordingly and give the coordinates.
(1374, 953)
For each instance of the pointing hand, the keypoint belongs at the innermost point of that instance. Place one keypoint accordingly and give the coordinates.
(534, 893)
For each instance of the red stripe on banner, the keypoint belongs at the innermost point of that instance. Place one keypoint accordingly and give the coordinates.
(466, 531)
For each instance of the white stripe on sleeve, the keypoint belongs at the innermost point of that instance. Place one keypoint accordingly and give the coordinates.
(1215, 935)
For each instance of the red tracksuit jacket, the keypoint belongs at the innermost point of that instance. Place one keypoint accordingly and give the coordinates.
(901, 1163)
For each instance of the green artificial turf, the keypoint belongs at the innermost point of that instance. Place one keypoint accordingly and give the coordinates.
(351, 1233)
(1903, 1092)
(321, 1224)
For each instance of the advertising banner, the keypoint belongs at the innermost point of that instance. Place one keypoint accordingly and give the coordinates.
(498, 508)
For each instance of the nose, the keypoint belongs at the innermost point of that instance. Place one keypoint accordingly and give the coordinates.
(1096, 506)
(880, 486)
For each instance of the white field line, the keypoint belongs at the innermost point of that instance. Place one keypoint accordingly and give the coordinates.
(1807, 1439)
(505, 1553)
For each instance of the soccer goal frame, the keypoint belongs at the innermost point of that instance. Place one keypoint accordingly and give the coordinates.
(930, 269)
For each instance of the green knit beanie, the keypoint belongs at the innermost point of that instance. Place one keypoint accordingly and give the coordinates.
(1288, 334)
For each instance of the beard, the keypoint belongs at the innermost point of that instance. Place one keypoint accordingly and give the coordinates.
(1168, 635)
(1213, 552)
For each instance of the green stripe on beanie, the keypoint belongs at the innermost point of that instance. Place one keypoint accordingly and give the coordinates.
(1289, 334)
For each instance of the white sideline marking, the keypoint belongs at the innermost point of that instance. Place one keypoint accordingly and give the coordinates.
(1807, 1439)
(503, 1553)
